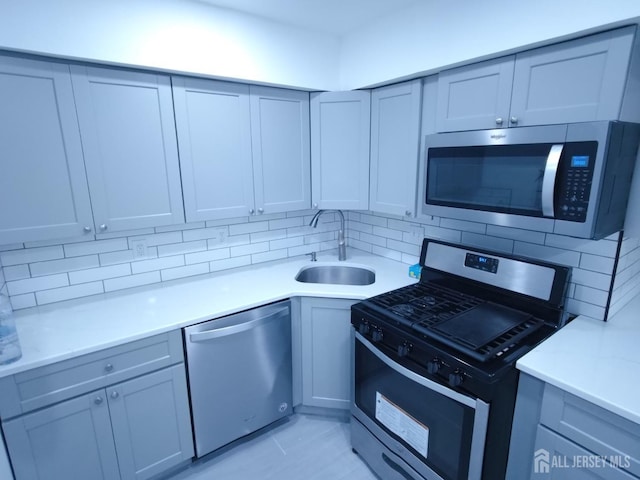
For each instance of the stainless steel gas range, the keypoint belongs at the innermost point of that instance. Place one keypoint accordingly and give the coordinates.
(434, 363)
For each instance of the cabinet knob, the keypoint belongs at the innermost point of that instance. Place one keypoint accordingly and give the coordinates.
(87, 229)
(261, 210)
(114, 394)
(499, 121)
(514, 119)
(315, 205)
(408, 213)
(108, 367)
(98, 400)
(251, 211)
(103, 227)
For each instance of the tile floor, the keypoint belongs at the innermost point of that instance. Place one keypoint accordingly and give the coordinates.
(305, 447)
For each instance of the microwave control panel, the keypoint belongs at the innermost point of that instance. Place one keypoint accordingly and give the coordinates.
(575, 176)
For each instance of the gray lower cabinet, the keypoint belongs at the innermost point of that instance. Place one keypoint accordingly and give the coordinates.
(325, 332)
(121, 413)
(557, 435)
(575, 81)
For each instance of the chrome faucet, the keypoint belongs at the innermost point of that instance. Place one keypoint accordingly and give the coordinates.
(342, 247)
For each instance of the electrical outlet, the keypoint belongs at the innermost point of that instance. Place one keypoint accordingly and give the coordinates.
(139, 248)
(417, 232)
(219, 237)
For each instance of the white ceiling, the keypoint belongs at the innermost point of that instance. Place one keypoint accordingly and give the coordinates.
(336, 17)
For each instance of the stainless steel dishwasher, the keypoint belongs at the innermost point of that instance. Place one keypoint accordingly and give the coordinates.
(239, 374)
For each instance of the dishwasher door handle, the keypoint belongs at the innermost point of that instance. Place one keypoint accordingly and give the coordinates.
(241, 327)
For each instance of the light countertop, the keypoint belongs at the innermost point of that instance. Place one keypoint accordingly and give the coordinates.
(68, 329)
(594, 360)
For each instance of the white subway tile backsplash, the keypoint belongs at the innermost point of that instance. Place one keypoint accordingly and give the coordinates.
(286, 243)
(101, 273)
(243, 228)
(157, 239)
(131, 281)
(304, 249)
(488, 242)
(67, 293)
(128, 233)
(99, 246)
(605, 248)
(409, 259)
(207, 256)
(63, 265)
(182, 248)
(58, 241)
(30, 255)
(359, 227)
(29, 285)
(262, 217)
(403, 247)
(591, 279)
(385, 252)
(229, 241)
(268, 235)
(157, 264)
(445, 234)
(269, 256)
(366, 247)
(186, 271)
(463, 225)
(597, 263)
(23, 301)
(11, 246)
(112, 258)
(16, 272)
(285, 223)
(183, 227)
(577, 307)
(373, 239)
(387, 233)
(591, 295)
(373, 220)
(226, 221)
(205, 233)
(228, 263)
(528, 236)
(249, 249)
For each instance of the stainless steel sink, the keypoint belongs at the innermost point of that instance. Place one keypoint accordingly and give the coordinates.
(336, 274)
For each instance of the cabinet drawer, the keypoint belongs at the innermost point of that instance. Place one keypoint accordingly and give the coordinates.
(557, 458)
(43, 386)
(598, 430)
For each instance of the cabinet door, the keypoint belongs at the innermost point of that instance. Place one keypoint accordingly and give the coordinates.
(71, 439)
(395, 142)
(577, 81)
(326, 352)
(476, 96)
(214, 135)
(151, 422)
(43, 187)
(281, 149)
(129, 141)
(340, 150)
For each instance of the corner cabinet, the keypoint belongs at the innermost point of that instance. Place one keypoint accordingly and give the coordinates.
(340, 132)
(130, 430)
(395, 145)
(43, 186)
(325, 333)
(559, 435)
(129, 141)
(244, 150)
(575, 81)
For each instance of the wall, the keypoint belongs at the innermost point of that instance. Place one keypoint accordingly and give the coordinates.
(194, 37)
(39, 273)
(173, 35)
(592, 261)
(433, 34)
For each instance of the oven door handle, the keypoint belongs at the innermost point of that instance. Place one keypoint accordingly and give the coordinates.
(549, 180)
(425, 382)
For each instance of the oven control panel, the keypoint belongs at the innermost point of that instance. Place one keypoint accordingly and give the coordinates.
(481, 262)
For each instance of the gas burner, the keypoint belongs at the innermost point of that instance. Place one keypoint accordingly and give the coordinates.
(403, 309)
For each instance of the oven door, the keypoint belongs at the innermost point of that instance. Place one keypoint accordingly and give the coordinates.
(438, 432)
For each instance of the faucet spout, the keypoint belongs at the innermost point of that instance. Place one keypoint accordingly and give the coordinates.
(342, 246)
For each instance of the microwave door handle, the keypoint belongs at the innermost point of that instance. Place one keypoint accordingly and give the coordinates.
(549, 180)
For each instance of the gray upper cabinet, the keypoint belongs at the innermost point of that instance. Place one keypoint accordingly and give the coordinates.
(281, 149)
(340, 132)
(576, 81)
(214, 136)
(43, 187)
(129, 141)
(243, 150)
(475, 96)
(395, 143)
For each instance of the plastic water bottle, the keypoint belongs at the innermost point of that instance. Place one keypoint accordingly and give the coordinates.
(10, 350)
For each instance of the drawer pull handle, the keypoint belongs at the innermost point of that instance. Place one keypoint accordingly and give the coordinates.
(108, 367)
(114, 394)
(98, 400)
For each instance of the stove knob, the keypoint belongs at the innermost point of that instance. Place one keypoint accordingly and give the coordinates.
(403, 350)
(376, 335)
(456, 378)
(433, 366)
(363, 328)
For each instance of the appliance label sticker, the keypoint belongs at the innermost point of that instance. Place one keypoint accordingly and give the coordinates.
(402, 424)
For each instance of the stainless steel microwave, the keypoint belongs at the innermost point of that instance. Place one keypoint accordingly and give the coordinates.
(571, 179)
